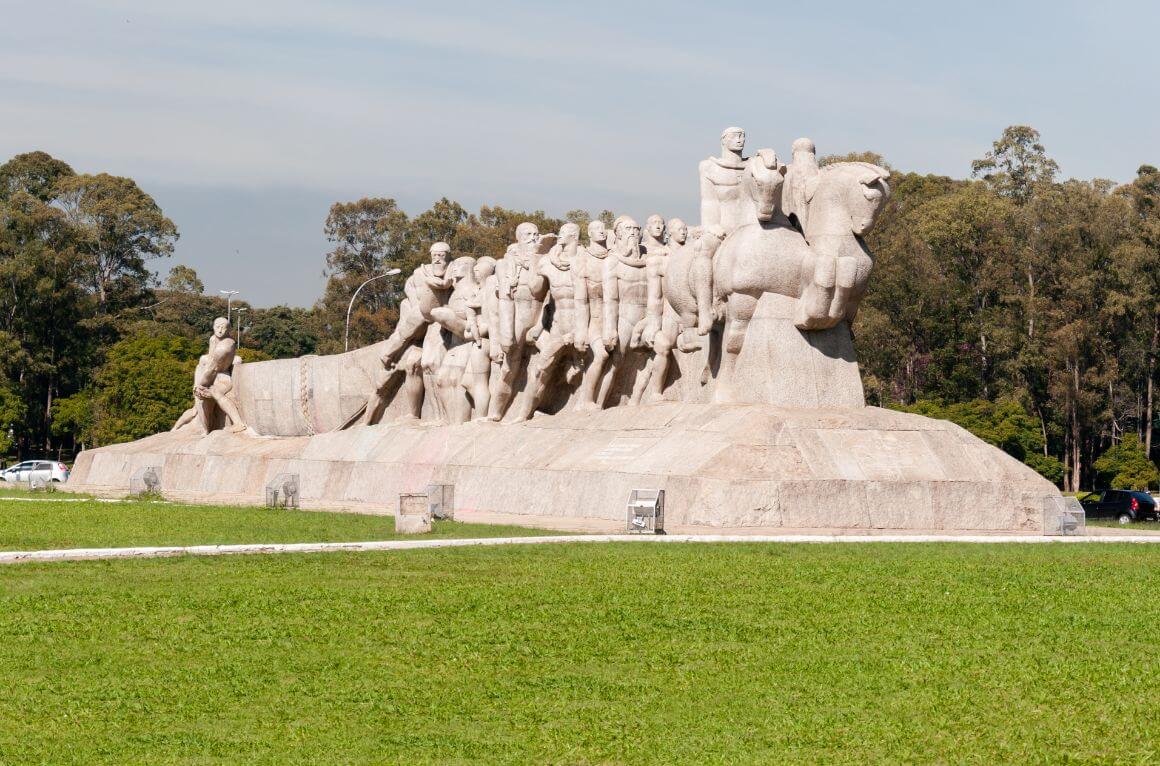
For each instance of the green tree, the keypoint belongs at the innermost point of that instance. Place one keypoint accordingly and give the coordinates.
(283, 332)
(1017, 164)
(183, 279)
(75, 417)
(35, 173)
(118, 229)
(1139, 262)
(143, 386)
(1126, 466)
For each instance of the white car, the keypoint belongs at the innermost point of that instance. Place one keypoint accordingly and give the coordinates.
(29, 470)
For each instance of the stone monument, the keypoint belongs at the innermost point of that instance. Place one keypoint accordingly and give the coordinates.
(714, 362)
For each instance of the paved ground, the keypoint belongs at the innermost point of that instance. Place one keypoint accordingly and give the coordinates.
(88, 554)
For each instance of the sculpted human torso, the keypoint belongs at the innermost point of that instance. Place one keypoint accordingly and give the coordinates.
(626, 280)
(557, 270)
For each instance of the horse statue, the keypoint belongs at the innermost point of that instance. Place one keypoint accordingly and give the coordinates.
(824, 264)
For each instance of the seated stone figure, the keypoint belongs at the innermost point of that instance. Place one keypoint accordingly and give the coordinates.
(213, 384)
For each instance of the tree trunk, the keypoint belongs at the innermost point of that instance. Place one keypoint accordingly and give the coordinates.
(1077, 460)
(1042, 427)
(1067, 462)
(48, 418)
(1151, 373)
(986, 374)
(1030, 302)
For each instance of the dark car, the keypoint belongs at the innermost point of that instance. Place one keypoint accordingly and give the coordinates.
(1123, 505)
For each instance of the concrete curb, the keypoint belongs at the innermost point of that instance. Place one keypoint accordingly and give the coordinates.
(92, 554)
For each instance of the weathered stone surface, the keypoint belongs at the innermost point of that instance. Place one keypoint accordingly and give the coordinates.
(722, 465)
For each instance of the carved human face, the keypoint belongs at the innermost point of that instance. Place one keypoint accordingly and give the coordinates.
(484, 268)
(569, 234)
(678, 232)
(461, 267)
(656, 227)
(597, 232)
(628, 231)
(440, 257)
(527, 234)
(734, 140)
(221, 327)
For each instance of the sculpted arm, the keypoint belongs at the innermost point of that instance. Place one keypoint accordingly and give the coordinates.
(655, 269)
(611, 301)
(222, 355)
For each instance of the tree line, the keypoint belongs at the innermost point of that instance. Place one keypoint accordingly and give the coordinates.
(1015, 303)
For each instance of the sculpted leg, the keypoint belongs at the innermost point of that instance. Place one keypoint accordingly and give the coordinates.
(740, 311)
(612, 364)
(455, 405)
(476, 381)
(227, 405)
(410, 328)
(451, 321)
(593, 378)
(186, 417)
(222, 396)
(540, 368)
(501, 393)
(819, 277)
(701, 278)
(641, 364)
(663, 344)
(412, 390)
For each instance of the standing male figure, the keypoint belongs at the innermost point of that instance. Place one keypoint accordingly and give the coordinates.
(588, 279)
(519, 308)
(625, 303)
(555, 332)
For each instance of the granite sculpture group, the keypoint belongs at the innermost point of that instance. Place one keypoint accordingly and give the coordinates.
(715, 360)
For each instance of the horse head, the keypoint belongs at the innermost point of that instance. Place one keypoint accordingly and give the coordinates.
(762, 183)
(848, 196)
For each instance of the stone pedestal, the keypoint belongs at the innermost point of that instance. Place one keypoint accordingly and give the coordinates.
(740, 465)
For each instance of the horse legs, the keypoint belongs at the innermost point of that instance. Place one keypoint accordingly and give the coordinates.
(740, 308)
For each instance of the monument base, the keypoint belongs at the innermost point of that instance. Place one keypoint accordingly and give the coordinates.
(721, 465)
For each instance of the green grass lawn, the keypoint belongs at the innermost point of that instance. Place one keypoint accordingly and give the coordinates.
(48, 523)
(1135, 526)
(589, 654)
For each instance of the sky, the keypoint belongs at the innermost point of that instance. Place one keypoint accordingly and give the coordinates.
(247, 119)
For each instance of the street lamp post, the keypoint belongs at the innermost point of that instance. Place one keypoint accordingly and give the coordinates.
(229, 299)
(241, 309)
(388, 273)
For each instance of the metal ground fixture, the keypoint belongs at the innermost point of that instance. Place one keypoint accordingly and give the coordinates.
(1063, 516)
(646, 512)
(441, 501)
(282, 492)
(146, 480)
